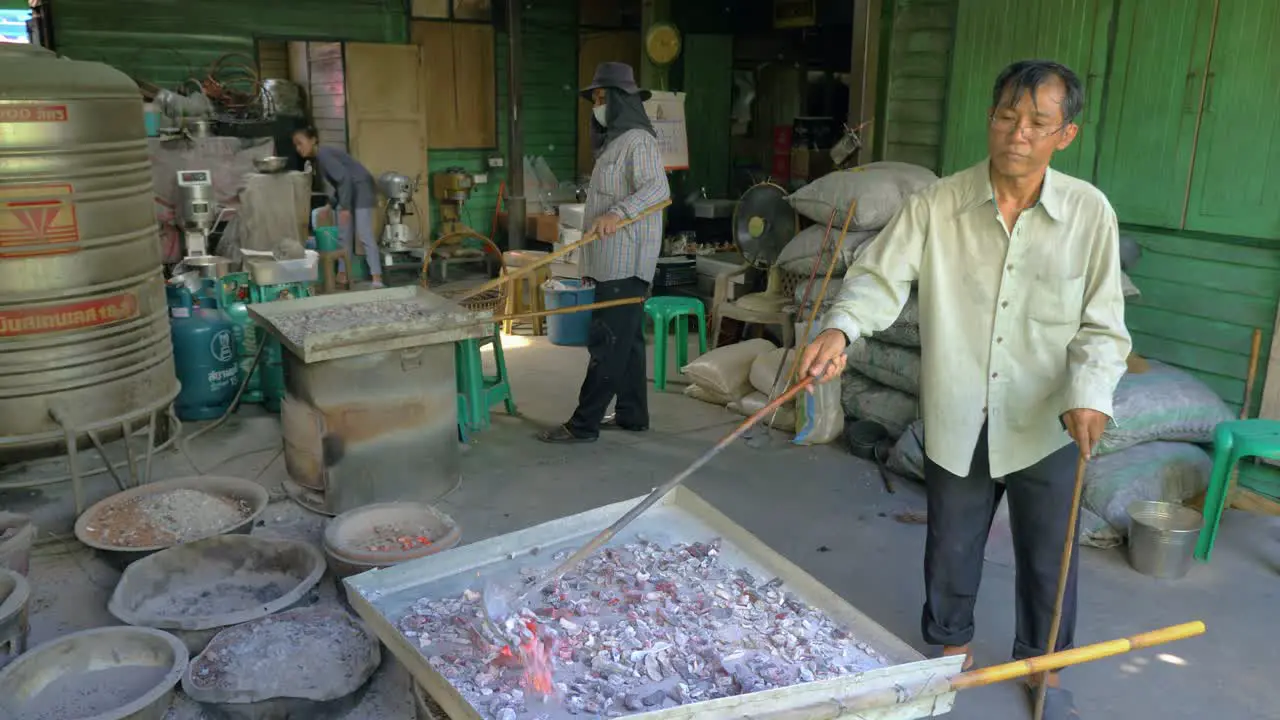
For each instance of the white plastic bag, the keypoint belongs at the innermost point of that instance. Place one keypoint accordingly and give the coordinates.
(727, 370)
(820, 417)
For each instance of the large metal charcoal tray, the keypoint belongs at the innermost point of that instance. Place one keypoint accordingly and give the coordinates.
(374, 336)
(382, 597)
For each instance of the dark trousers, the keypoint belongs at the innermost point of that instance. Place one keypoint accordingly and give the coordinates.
(960, 514)
(617, 365)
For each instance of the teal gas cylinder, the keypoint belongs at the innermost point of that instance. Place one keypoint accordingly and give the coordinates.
(271, 366)
(204, 355)
(234, 296)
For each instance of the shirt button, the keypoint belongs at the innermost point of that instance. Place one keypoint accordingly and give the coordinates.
(999, 340)
(1009, 266)
(995, 374)
(1004, 304)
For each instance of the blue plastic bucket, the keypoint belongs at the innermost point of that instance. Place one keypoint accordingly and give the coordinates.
(571, 328)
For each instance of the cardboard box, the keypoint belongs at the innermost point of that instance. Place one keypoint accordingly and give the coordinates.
(809, 165)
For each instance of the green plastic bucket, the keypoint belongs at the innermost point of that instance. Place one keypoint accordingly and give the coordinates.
(327, 238)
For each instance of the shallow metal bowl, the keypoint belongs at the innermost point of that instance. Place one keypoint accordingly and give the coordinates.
(92, 651)
(246, 491)
(196, 589)
(15, 593)
(270, 164)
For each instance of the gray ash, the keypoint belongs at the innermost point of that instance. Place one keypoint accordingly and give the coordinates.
(298, 326)
(638, 628)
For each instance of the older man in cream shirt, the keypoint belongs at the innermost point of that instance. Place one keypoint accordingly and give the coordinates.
(1022, 341)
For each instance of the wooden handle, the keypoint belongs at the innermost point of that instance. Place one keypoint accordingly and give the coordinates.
(1088, 653)
(1064, 572)
(564, 310)
(931, 684)
(553, 256)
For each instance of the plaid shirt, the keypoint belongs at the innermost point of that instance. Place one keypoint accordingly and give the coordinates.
(628, 179)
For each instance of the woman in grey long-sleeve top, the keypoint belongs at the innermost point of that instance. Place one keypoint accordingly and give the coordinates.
(354, 198)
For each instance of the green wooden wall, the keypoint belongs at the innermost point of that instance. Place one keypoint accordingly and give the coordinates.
(169, 41)
(1202, 297)
(550, 99)
(993, 33)
(1203, 294)
(708, 80)
(916, 59)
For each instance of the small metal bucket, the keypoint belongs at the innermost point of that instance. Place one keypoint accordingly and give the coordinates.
(1162, 538)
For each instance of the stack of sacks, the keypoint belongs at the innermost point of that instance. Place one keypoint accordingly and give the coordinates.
(723, 376)
(881, 381)
(882, 377)
(880, 188)
(775, 363)
(1152, 452)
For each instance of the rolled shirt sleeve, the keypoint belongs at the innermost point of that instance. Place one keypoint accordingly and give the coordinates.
(877, 285)
(1097, 355)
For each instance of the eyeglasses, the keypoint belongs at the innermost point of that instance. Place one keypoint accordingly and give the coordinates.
(1034, 131)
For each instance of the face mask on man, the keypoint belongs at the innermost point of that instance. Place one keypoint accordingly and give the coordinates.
(599, 112)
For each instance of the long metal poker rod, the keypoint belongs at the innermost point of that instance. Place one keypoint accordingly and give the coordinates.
(608, 533)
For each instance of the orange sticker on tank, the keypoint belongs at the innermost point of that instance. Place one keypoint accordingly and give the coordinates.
(37, 219)
(33, 113)
(72, 316)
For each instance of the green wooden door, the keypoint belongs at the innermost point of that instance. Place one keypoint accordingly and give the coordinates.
(1235, 188)
(993, 33)
(708, 80)
(1148, 131)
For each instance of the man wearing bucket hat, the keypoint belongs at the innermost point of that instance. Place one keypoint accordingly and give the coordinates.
(628, 179)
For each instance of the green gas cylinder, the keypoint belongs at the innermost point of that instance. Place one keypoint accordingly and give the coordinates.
(234, 295)
(271, 367)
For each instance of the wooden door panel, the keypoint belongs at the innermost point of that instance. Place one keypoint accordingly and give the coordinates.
(1153, 99)
(437, 79)
(475, 85)
(385, 116)
(1235, 189)
(593, 49)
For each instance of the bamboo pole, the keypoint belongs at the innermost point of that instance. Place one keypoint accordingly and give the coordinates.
(1064, 572)
(817, 303)
(560, 311)
(552, 256)
(933, 685)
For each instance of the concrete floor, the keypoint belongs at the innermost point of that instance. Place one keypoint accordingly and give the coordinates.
(820, 507)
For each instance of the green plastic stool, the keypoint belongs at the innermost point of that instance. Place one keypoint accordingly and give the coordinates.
(479, 392)
(1233, 441)
(462, 426)
(663, 310)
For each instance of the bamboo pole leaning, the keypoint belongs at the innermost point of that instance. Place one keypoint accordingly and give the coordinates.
(551, 257)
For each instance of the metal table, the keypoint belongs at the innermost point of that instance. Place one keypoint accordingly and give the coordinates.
(370, 412)
(382, 597)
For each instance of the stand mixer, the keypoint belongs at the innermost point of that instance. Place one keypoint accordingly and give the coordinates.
(197, 211)
(397, 235)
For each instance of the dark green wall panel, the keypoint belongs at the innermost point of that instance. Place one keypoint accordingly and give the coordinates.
(914, 91)
(993, 33)
(708, 80)
(1202, 297)
(169, 41)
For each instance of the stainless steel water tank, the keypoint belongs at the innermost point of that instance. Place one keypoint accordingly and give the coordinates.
(84, 331)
